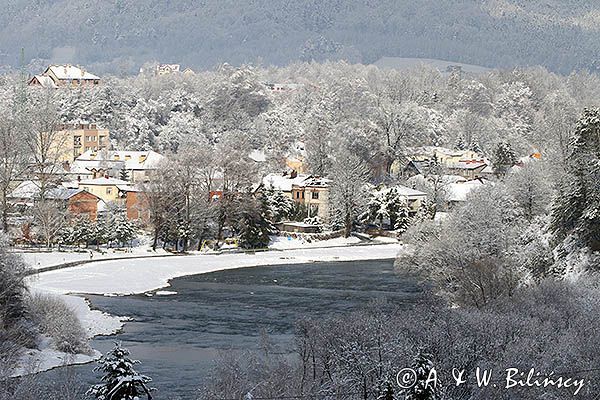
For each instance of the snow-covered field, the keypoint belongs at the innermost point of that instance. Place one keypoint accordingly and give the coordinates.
(130, 276)
(39, 260)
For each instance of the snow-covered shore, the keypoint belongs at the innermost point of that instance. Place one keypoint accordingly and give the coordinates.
(133, 276)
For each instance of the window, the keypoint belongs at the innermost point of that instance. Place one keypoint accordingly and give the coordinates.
(86, 188)
(297, 195)
(108, 190)
(315, 195)
(302, 194)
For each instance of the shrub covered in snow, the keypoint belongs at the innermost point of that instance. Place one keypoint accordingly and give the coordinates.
(58, 321)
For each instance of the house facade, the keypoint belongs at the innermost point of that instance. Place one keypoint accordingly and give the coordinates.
(72, 140)
(110, 190)
(137, 206)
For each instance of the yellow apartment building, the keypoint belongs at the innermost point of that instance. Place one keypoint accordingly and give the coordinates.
(72, 140)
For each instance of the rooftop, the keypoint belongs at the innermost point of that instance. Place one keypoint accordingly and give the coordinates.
(70, 72)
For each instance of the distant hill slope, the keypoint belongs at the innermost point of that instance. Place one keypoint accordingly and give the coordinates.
(441, 65)
(120, 35)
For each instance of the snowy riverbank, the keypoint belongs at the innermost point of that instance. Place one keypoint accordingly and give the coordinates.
(133, 276)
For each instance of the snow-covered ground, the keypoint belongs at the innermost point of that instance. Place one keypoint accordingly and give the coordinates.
(39, 260)
(283, 242)
(129, 276)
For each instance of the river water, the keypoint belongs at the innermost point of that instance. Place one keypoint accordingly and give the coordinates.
(177, 337)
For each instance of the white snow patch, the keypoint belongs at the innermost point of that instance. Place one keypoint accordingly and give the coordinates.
(165, 293)
(46, 358)
(37, 260)
(287, 242)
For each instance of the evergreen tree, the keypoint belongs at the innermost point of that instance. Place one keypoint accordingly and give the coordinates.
(253, 226)
(279, 206)
(124, 174)
(460, 143)
(475, 146)
(120, 381)
(122, 229)
(82, 231)
(423, 389)
(577, 207)
(99, 232)
(504, 158)
(403, 220)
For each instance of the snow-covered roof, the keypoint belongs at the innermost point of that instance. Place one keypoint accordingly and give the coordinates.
(258, 156)
(408, 192)
(453, 179)
(128, 188)
(131, 160)
(316, 181)
(460, 190)
(25, 190)
(30, 190)
(467, 164)
(283, 182)
(44, 81)
(70, 72)
(62, 193)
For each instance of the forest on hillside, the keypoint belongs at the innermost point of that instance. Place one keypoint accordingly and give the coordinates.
(120, 35)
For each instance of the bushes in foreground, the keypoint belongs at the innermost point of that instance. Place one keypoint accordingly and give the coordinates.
(552, 327)
(55, 319)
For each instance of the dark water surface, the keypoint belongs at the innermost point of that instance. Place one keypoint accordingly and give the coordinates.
(178, 337)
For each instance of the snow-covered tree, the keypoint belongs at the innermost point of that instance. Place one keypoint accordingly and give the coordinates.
(348, 190)
(576, 210)
(424, 388)
(120, 380)
(122, 230)
(386, 204)
(279, 206)
(253, 227)
(504, 158)
(531, 187)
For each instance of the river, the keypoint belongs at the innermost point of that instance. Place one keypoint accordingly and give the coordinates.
(177, 337)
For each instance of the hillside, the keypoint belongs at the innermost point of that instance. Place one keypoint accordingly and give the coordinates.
(120, 35)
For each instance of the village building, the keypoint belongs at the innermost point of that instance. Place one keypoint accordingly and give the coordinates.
(309, 190)
(414, 198)
(421, 160)
(313, 192)
(166, 69)
(67, 75)
(469, 169)
(72, 140)
(133, 166)
(110, 190)
(137, 206)
(76, 202)
(457, 192)
(128, 198)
